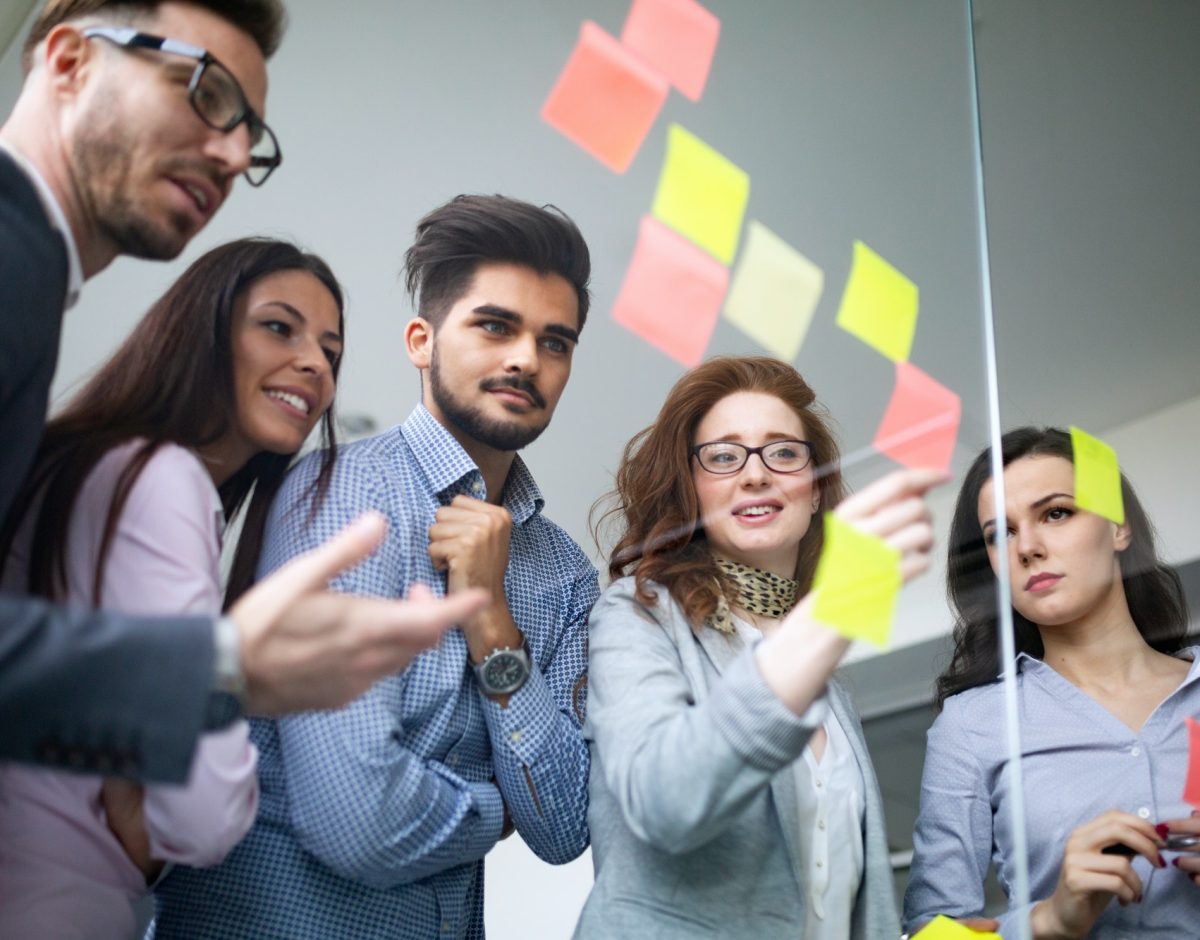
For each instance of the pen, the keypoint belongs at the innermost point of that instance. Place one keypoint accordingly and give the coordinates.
(1176, 842)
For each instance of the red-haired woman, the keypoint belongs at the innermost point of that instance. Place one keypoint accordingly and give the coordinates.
(730, 784)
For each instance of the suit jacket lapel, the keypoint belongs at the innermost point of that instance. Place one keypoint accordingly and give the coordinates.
(721, 648)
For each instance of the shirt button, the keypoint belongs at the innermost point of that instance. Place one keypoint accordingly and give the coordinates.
(1144, 812)
(821, 824)
(1135, 750)
(515, 737)
(445, 926)
(454, 760)
(820, 864)
(819, 784)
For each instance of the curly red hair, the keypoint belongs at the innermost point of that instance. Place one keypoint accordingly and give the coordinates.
(654, 502)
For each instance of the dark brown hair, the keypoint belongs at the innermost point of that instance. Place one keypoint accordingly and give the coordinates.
(655, 503)
(1152, 589)
(262, 20)
(455, 239)
(170, 381)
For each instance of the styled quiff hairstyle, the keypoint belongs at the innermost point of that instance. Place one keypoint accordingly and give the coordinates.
(654, 503)
(1152, 589)
(262, 20)
(455, 239)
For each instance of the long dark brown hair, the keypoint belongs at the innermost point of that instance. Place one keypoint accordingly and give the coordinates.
(171, 381)
(654, 503)
(1152, 589)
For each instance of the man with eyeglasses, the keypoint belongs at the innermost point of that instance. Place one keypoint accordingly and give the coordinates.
(134, 120)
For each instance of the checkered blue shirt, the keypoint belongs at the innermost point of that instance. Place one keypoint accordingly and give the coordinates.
(374, 819)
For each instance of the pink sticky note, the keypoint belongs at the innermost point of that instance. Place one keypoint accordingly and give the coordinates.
(921, 422)
(606, 98)
(677, 37)
(672, 293)
(1191, 789)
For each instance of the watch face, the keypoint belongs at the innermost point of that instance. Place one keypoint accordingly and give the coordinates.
(504, 671)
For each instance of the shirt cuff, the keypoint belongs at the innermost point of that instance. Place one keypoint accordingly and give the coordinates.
(227, 662)
(522, 725)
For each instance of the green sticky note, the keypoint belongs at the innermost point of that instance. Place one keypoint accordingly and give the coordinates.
(879, 305)
(1097, 477)
(857, 580)
(943, 928)
(701, 194)
(775, 292)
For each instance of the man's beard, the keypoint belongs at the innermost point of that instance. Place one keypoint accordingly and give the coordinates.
(101, 152)
(499, 435)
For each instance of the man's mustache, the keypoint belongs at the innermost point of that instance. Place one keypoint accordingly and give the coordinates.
(520, 384)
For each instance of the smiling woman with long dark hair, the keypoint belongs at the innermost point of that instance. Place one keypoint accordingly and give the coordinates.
(1103, 688)
(199, 411)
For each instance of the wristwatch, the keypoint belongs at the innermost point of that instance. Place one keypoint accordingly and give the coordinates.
(503, 671)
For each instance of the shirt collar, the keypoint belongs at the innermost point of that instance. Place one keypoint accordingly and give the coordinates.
(1189, 654)
(450, 469)
(58, 220)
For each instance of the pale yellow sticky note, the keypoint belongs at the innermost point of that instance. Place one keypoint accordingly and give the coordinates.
(943, 928)
(880, 305)
(701, 194)
(857, 581)
(775, 292)
(1097, 477)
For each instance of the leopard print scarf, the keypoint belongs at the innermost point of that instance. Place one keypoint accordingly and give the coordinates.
(758, 591)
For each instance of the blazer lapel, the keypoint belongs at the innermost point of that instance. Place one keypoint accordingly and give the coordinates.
(721, 648)
(783, 792)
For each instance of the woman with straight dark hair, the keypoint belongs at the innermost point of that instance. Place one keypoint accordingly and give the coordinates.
(197, 415)
(731, 790)
(1103, 690)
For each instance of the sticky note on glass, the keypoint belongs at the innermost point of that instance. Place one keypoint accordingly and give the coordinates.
(672, 293)
(701, 194)
(774, 292)
(920, 425)
(1191, 789)
(857, 581)
(1097, 477)
(676, 37)
(879, 305)
(943, 928)
(606, 98)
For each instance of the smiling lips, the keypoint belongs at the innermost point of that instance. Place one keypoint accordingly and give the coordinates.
(1040, 582)
(754, 512)
(294, 400)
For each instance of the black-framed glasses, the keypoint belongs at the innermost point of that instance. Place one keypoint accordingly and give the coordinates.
(214, 93)
(730, 457)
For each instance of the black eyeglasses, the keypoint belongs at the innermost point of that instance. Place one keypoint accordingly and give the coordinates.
(729, 457)
(214, 93)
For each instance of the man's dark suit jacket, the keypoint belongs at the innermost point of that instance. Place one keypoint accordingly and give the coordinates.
(85, 690)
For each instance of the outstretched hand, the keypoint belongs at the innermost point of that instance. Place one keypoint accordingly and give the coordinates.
(306, 647)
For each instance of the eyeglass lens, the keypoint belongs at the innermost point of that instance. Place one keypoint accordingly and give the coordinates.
(218, 100)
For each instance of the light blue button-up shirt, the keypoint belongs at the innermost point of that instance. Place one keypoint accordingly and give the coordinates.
(374, 819)
(1078, 761)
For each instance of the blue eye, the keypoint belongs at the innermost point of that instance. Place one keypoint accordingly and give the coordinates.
(497, 327)
(555, 345)
(278, 326)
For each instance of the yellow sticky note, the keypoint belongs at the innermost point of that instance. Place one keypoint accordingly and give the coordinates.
(1097, 477)
(701, 194)
(943, 928)
(857, 580)
(775, 291)
(880, 305)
